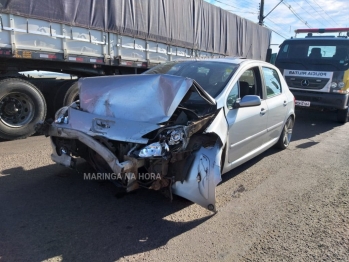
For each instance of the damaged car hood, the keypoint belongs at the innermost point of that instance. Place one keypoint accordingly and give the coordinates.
(140, 98)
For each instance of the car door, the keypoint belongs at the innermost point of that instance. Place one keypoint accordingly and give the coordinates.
(276, 102)
(247, 126)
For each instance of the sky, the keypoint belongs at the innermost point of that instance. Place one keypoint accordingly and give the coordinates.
(290, 15)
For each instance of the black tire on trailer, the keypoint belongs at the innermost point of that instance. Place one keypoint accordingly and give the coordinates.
(72, 95)
(59, 96)
(342, 115)
(22, 106)
(50, 88)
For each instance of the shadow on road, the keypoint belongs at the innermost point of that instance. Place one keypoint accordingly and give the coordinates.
(5, 140)
(52, 211)
(308, 125)
(236, 171)
(312, 123)
(44, 215)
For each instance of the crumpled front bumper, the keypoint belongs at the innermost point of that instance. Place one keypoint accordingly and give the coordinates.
(59, 155)
(200, 181)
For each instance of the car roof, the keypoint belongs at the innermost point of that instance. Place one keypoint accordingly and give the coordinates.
(228, 59)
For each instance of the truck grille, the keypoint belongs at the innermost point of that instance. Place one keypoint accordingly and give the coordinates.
(306, 83)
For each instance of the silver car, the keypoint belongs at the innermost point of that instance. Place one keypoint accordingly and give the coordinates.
(178, 127)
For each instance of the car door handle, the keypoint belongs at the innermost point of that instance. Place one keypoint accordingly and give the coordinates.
(263, 111)
(285, 103)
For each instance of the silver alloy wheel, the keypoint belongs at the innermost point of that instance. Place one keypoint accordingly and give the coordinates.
(16, 109)
(288, 132)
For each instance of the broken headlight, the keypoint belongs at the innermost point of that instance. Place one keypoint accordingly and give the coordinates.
(168, 139)
(175, 136)
(154, 149)
(61, 116)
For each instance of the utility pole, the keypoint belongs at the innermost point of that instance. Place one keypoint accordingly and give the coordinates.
(261, 13)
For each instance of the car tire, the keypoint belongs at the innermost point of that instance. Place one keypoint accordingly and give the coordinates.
(342, 115)
(22, 106)
(286, 134)
(72, 95)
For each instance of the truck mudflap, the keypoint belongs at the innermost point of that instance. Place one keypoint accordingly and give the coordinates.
(321, 100)
(204, 175)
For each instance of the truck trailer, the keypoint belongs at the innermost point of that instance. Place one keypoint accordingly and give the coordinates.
(104, 37)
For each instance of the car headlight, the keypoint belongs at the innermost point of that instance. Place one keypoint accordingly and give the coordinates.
(154, 149)
(175, 136)
(333, 85)
(61, 115)
(341, 84)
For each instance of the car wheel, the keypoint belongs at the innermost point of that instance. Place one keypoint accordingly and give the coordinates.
(342, 115)
(286, 134)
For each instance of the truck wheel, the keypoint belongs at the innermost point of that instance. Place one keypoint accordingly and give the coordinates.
(72, 95)
(342, 115)
(51, 89)
(59, 96)
(286, 134)
(22, 105)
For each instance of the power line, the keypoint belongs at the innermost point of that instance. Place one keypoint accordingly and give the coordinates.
(273, 30)
(309, 12)
(296, 15)
(276, 32)
(226, 4)
(248, 4)
(325, 13)
(243, 12)
(281, 28)
(315, 10)
(236, 7)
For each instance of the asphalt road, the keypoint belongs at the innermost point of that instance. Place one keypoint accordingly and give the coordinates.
(290, 205)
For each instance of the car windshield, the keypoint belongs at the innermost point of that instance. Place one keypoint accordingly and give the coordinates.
(211, 76)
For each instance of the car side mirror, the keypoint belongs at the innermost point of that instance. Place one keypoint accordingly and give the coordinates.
(248, 101)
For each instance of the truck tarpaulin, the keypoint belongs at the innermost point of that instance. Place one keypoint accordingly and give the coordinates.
(193, 24)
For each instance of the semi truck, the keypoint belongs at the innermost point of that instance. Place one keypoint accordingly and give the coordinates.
(316, 69)
(104, 37)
